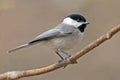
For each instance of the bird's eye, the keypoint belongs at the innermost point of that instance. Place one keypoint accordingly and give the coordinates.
(78, 20)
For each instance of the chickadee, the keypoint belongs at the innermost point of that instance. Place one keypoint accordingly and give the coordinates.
(62, 37)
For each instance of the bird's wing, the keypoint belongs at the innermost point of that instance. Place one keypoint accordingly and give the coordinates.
(49, 35)
(44, 36)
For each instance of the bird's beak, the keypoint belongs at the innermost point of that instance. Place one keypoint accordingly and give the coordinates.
(87, 23)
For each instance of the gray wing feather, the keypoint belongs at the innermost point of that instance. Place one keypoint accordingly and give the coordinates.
(56, 32)
(60, 30)
(46, 35)
(49, 34)
(19, 47)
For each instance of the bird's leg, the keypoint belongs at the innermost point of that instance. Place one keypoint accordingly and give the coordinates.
(68, 55)
(58, 53)
(62, 51)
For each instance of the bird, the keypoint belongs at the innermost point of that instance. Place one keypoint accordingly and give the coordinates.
(62, 37)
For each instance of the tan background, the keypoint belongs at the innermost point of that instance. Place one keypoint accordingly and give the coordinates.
(22, 20)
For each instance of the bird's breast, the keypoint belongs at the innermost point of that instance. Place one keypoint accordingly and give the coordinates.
(66, 42)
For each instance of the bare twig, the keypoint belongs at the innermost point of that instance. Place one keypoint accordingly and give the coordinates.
(13, 75)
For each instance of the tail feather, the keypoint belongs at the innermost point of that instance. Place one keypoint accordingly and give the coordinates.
(19, 47)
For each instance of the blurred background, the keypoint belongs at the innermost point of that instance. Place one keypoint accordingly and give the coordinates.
(22, 20)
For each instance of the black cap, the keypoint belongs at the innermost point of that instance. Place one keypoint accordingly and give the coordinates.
(77, 17)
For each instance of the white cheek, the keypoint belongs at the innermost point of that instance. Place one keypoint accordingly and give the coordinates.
(77, 24)
(71, 22)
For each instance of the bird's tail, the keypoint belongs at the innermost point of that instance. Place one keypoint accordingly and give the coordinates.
(19, 47)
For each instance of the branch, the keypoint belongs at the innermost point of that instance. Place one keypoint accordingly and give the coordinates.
(13, 75)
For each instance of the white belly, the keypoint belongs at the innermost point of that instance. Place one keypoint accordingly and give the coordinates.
(66, 42)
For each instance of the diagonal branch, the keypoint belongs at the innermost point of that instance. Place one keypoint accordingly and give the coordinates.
(13, 75)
